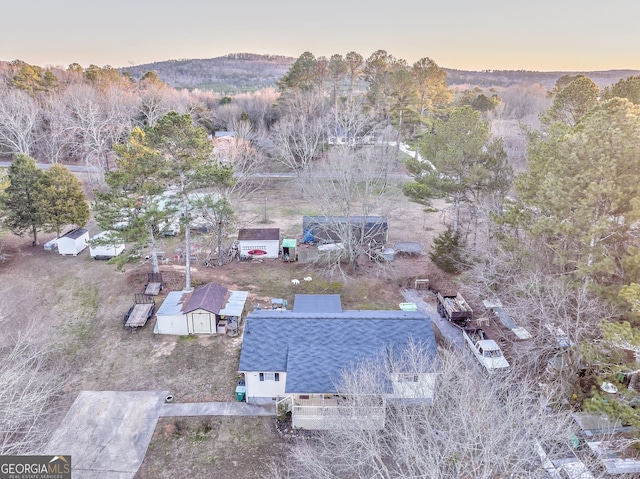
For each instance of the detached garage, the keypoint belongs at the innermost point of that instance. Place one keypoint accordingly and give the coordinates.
(259, 242)
(73, 242)
(209, 309)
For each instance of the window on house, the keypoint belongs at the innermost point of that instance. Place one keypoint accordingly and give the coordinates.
(269, 376)
(407, 378)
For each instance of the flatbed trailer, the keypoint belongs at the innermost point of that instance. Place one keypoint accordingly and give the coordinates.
(154, 284)
(142, 309)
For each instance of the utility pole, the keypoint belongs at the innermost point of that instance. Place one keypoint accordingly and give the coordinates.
(264, 220)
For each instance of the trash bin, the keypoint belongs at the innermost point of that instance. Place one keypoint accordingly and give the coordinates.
(241, 390)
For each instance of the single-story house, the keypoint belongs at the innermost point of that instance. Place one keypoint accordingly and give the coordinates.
(334, 228)
(73, 242)
(259, 242)
(208, 309)
(297, 357)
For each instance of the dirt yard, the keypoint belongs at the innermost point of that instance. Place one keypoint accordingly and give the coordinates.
(77, 304)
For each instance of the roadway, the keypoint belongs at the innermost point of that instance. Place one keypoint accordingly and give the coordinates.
(273, 175)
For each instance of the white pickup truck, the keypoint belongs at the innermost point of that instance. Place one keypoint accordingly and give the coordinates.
(486, 350)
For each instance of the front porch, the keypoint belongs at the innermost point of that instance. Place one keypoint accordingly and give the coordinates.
(329, 411)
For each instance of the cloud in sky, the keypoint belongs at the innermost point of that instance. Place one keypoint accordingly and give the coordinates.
(495, 34)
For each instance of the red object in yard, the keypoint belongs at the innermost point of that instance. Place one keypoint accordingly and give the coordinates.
(256, 252)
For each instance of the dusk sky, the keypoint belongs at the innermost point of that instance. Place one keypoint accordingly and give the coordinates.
(544, 35)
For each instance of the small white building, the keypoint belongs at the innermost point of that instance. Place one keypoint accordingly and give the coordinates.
(73, 242)
(209, 309)
(259, 242)
(169, 318)
(105, 251)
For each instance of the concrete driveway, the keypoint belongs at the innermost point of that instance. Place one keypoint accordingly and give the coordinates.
(107, 432)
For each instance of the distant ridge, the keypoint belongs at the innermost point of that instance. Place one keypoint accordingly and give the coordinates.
(242, 72)
(504, 78)
(232, 73)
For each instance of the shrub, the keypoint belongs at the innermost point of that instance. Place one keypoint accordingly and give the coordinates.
(448, 251)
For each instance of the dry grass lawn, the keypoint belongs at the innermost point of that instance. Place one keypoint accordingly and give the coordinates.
(77, 304)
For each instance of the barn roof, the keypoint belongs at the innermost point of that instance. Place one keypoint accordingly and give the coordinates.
(210, 297)
(315, 348)
(268, 234)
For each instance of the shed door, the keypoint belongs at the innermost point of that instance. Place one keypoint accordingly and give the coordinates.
(202, 323)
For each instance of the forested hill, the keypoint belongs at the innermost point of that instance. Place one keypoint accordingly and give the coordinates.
(489, 78)
(233, 73)
(239, 72)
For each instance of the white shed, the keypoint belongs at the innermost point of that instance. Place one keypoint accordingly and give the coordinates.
(105, 251)
(73, 242)
(169, 318)
(209, 309)
(259, 242)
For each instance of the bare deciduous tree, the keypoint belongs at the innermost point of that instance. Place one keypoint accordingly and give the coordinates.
(476, 428)
(28, 387)
(298, 135)
(18, 121)
(557, 313)
(98, 120)
(353, 182)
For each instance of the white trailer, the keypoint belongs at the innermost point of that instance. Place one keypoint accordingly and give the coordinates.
(98, 249)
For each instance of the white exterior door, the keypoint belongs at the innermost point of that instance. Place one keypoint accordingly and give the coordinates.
(202, 323)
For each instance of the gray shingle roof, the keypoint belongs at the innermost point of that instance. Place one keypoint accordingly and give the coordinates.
(314, 348)
(313, 303)
(259, 234)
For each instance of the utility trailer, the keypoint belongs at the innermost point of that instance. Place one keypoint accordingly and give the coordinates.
(138, 314)
(485, 349)
(455, 309)
(154, 284)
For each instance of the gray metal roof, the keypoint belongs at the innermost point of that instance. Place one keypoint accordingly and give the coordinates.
(355, 220)
(235, 304)
(75, 234)
(314, 348)
(173, 303)
(317, 303)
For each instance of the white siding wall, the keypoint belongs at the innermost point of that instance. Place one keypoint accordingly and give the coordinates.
(407, 387)
(105, 250)
(172, 324)
(272, 247)
(264, 389)
(70, 246)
